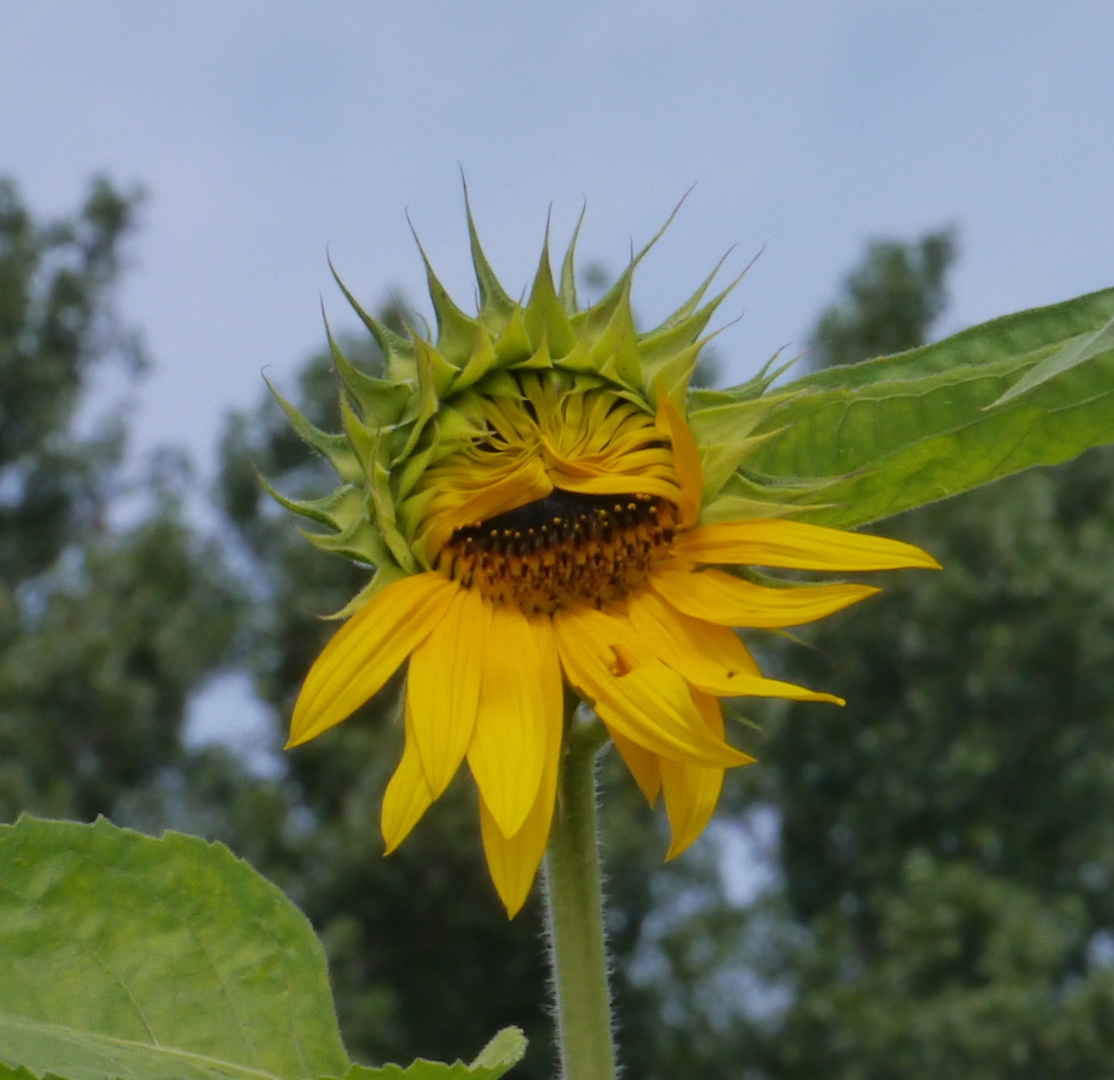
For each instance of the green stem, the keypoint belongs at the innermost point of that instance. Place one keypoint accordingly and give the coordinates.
(574, 914)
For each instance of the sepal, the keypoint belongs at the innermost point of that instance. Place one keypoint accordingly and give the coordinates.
(386, 574)
(335, 447)
(545, 316)
(513, 346)
(456, 332)
(397, 351)
(748, 494)
(339, 509)
(496, 306)
(381, 400)
(360, 542)
(615, 353)
(567, 291)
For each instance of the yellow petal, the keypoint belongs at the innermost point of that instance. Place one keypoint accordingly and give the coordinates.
(632, 691)
(507, 752)
(408, 794)
(686, 457)
(617, 484)
(367, 650)
(692, 791)
(696, 644)
(443, 686)
(644, 766)
(708, 656)
(797, 545)
(720, 598)
(514, 861)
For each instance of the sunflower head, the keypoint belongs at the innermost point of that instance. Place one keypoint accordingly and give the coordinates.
(544, 505)
(503, 409)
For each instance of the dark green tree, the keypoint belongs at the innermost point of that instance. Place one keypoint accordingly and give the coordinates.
(945, 851)
(105, 632)
(946, 839)
(57, 325)
(889, 303)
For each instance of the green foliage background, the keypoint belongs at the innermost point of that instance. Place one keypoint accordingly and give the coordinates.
(938, 898)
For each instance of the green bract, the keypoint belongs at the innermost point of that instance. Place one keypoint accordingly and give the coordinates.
(429, 404)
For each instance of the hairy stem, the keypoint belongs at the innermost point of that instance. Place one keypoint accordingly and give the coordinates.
(574, 915)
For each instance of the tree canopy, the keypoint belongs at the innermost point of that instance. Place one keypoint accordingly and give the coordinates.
(105, 632)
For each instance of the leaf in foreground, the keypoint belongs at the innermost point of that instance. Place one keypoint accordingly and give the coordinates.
(126, 956)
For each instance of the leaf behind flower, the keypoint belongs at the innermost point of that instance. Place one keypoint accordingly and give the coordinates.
(901, 431)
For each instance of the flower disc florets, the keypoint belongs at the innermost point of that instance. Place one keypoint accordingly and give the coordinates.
(563, 550)
(545, 504)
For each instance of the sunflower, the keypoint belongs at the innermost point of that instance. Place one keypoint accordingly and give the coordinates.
(543, 518)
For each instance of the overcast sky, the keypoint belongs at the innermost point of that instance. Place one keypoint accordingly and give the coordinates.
(266, 133)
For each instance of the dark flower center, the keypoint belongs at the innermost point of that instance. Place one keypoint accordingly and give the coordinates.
(561, 550)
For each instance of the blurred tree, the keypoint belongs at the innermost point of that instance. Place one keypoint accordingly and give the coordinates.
(105, 632)
(946, 839)
(889, 303)
(945, 854)
(57, 324)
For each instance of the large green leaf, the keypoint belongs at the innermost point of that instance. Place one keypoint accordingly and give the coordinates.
(126, 956)
(905, 430)
(129, 956)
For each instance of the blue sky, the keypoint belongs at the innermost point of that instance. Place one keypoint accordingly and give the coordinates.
(266, 133)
